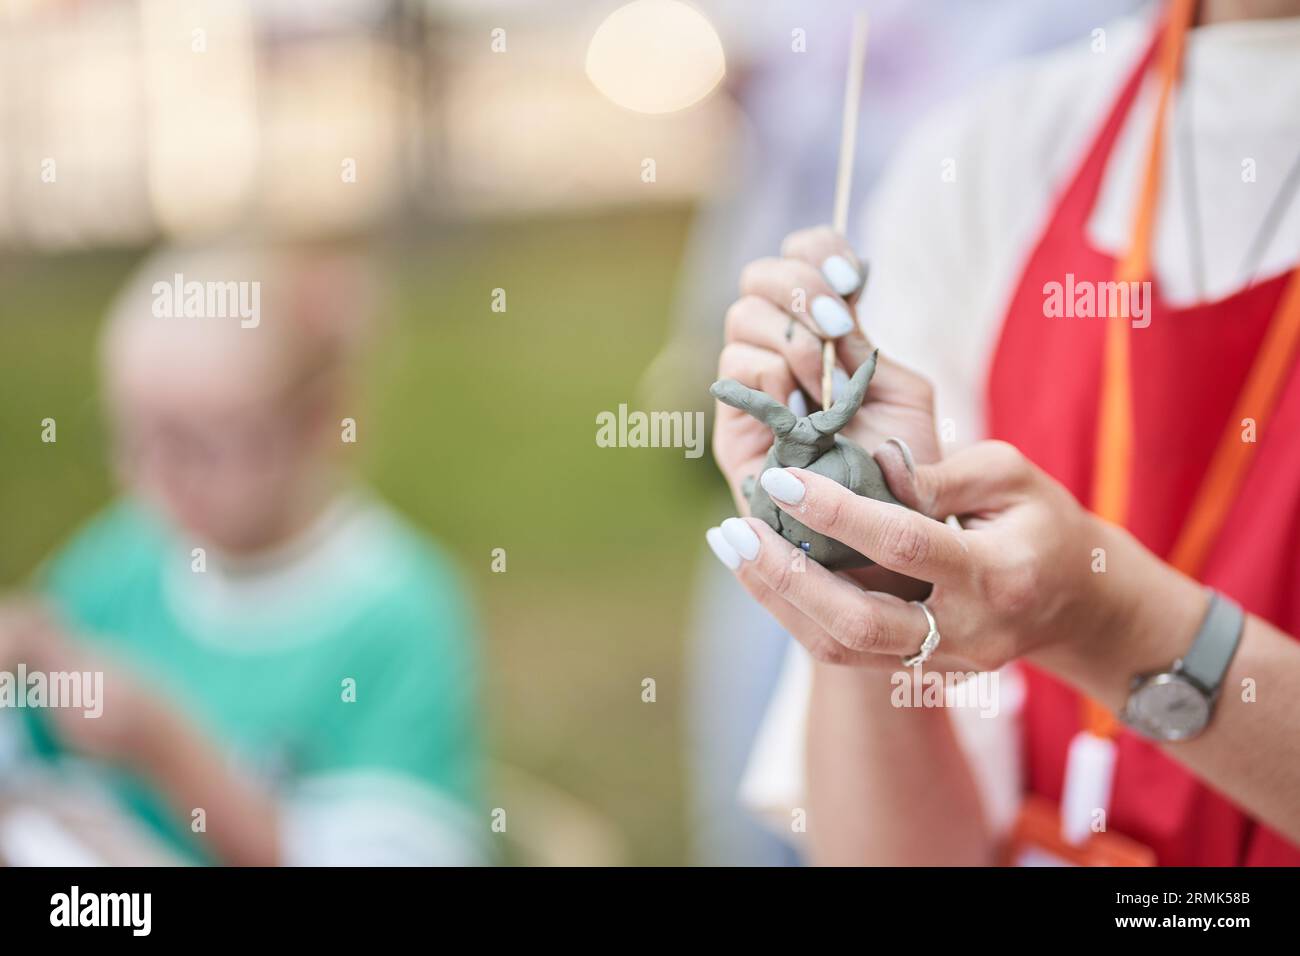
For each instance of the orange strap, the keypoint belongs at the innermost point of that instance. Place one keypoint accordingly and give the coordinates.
(1110, 484)
(1232, 457)
(1259, 395)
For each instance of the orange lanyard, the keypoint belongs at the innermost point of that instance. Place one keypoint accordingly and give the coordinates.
(1256, 400)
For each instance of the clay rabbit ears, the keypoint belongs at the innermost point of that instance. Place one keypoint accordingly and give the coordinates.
(756, 404)
(781, 420)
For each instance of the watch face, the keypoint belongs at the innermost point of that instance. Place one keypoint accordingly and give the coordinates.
(1167, 707)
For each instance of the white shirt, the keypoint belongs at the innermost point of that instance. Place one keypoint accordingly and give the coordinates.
(946, 253)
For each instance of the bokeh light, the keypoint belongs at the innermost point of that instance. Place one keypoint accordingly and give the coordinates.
(655, 56)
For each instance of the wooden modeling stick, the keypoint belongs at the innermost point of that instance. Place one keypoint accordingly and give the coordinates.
(844, 178)
(812, 441)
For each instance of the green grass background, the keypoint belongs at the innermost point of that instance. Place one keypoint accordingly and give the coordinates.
(481, 427)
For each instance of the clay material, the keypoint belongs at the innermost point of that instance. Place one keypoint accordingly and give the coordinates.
(811, 442)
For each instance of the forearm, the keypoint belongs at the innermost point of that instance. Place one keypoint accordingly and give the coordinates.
(240, 820)
(1250, 751)
(887, 786)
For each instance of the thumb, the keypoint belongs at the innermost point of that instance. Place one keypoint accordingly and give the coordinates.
(985, 477)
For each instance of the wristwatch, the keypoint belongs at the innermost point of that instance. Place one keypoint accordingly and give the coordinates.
(1176, 704)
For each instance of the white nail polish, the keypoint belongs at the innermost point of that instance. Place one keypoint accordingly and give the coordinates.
(725, 552)
(839, 383)
(797, 403)
(841, 274)
(831, 316)
(741, 537)
(782, 485)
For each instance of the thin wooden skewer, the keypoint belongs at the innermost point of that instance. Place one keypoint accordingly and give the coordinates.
(844, 179)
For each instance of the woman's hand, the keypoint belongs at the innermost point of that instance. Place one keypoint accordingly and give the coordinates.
(787, 308)
(774, 333)
(1027, 574)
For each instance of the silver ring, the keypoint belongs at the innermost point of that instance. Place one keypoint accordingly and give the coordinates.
(930, 643)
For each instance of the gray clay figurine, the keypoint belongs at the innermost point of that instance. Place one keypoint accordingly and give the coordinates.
(811, 442)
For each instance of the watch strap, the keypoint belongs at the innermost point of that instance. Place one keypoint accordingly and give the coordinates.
(1215, 643)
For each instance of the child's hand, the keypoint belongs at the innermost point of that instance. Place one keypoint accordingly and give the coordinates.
(22, 619)
(128, 724)
(120, 719)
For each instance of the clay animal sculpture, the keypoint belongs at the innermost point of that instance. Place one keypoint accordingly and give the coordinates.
(811, 442)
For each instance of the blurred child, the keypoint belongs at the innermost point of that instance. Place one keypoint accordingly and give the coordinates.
(288, 665)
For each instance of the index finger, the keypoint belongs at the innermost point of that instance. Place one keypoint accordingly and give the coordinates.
(893, 536)
(829, 252)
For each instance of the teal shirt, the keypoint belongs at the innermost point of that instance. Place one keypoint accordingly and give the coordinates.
(349, 660)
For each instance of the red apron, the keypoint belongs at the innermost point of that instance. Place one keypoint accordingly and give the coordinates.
(1188, 367)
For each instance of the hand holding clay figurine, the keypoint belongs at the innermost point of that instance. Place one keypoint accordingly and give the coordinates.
(1017, 579)
(812, 442)
(774, 333)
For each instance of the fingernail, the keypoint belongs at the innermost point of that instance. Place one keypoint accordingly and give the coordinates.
(782, 485)
(839, 383)
(906, 452)
(797, 403)
(831, 316)
(741, 537)
(725, 552)
(842, 275)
